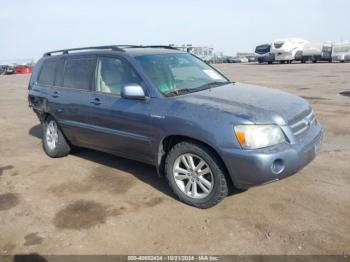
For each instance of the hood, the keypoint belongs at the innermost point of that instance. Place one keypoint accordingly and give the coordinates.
(256, 104)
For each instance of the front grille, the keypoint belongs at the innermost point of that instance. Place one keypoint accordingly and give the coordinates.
(301, 124)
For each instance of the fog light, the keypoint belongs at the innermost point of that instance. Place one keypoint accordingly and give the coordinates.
(277, 166)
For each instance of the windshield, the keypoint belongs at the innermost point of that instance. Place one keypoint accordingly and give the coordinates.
(175, 74)
(262, 49)
(279, 44)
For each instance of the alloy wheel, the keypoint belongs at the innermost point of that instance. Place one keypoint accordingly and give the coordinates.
(193, 176)
(52, 135)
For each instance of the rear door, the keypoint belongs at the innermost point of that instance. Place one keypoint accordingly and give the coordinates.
(70, 96)
(40, 86)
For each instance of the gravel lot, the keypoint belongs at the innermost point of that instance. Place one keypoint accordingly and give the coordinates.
(94, 203)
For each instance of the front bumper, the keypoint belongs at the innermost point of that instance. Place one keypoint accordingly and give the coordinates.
(266, 58)
(249, 168)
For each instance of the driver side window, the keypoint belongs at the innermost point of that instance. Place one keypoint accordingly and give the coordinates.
(113, 74)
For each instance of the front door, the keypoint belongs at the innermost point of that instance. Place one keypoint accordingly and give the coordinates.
(123, 126)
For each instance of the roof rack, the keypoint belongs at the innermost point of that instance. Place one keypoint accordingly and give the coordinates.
(160, 46)
(109, 47)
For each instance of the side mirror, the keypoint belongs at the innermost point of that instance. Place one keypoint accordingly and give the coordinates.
(133, 91)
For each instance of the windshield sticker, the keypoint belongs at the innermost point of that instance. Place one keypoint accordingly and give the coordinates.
(212, 74)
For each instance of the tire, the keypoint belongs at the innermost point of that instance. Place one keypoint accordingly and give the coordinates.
(216, 175)
(54, 145)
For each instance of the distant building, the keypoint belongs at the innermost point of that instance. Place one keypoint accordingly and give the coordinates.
(203, 52)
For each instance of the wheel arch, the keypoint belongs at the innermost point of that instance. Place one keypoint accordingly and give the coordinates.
(168, 142)
(43, 118)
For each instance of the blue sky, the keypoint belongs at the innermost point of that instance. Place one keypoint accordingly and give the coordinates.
(29, 28)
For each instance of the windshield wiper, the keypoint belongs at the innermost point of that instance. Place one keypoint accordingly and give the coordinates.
(211, 84)
(180, 91)
(176, 92)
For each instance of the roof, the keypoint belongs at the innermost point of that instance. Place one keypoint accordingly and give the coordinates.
(290, 39)
(130, 49)
(150, 51)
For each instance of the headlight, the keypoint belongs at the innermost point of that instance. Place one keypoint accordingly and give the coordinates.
(258, 136)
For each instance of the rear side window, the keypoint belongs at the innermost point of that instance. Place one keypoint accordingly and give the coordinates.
(78, 73)
(47, 73)
(59, 73)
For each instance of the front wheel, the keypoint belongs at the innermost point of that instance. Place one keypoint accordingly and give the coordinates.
(196, 175)
(54, 142)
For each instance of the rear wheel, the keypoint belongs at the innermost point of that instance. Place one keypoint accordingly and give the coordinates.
(196, 175)
(54, 142)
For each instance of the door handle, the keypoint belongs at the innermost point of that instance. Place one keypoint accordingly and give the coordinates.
(96, 101)
(55, 94)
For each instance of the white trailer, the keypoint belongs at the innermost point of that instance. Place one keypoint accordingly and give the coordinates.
(341, 52)
(286, 48)
(317, 52)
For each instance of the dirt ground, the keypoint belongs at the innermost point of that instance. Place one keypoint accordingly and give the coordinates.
(94, 203)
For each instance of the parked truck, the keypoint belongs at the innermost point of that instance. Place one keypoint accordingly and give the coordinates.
(263, 54)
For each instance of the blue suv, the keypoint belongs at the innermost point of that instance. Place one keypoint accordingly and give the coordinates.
(168, 108)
